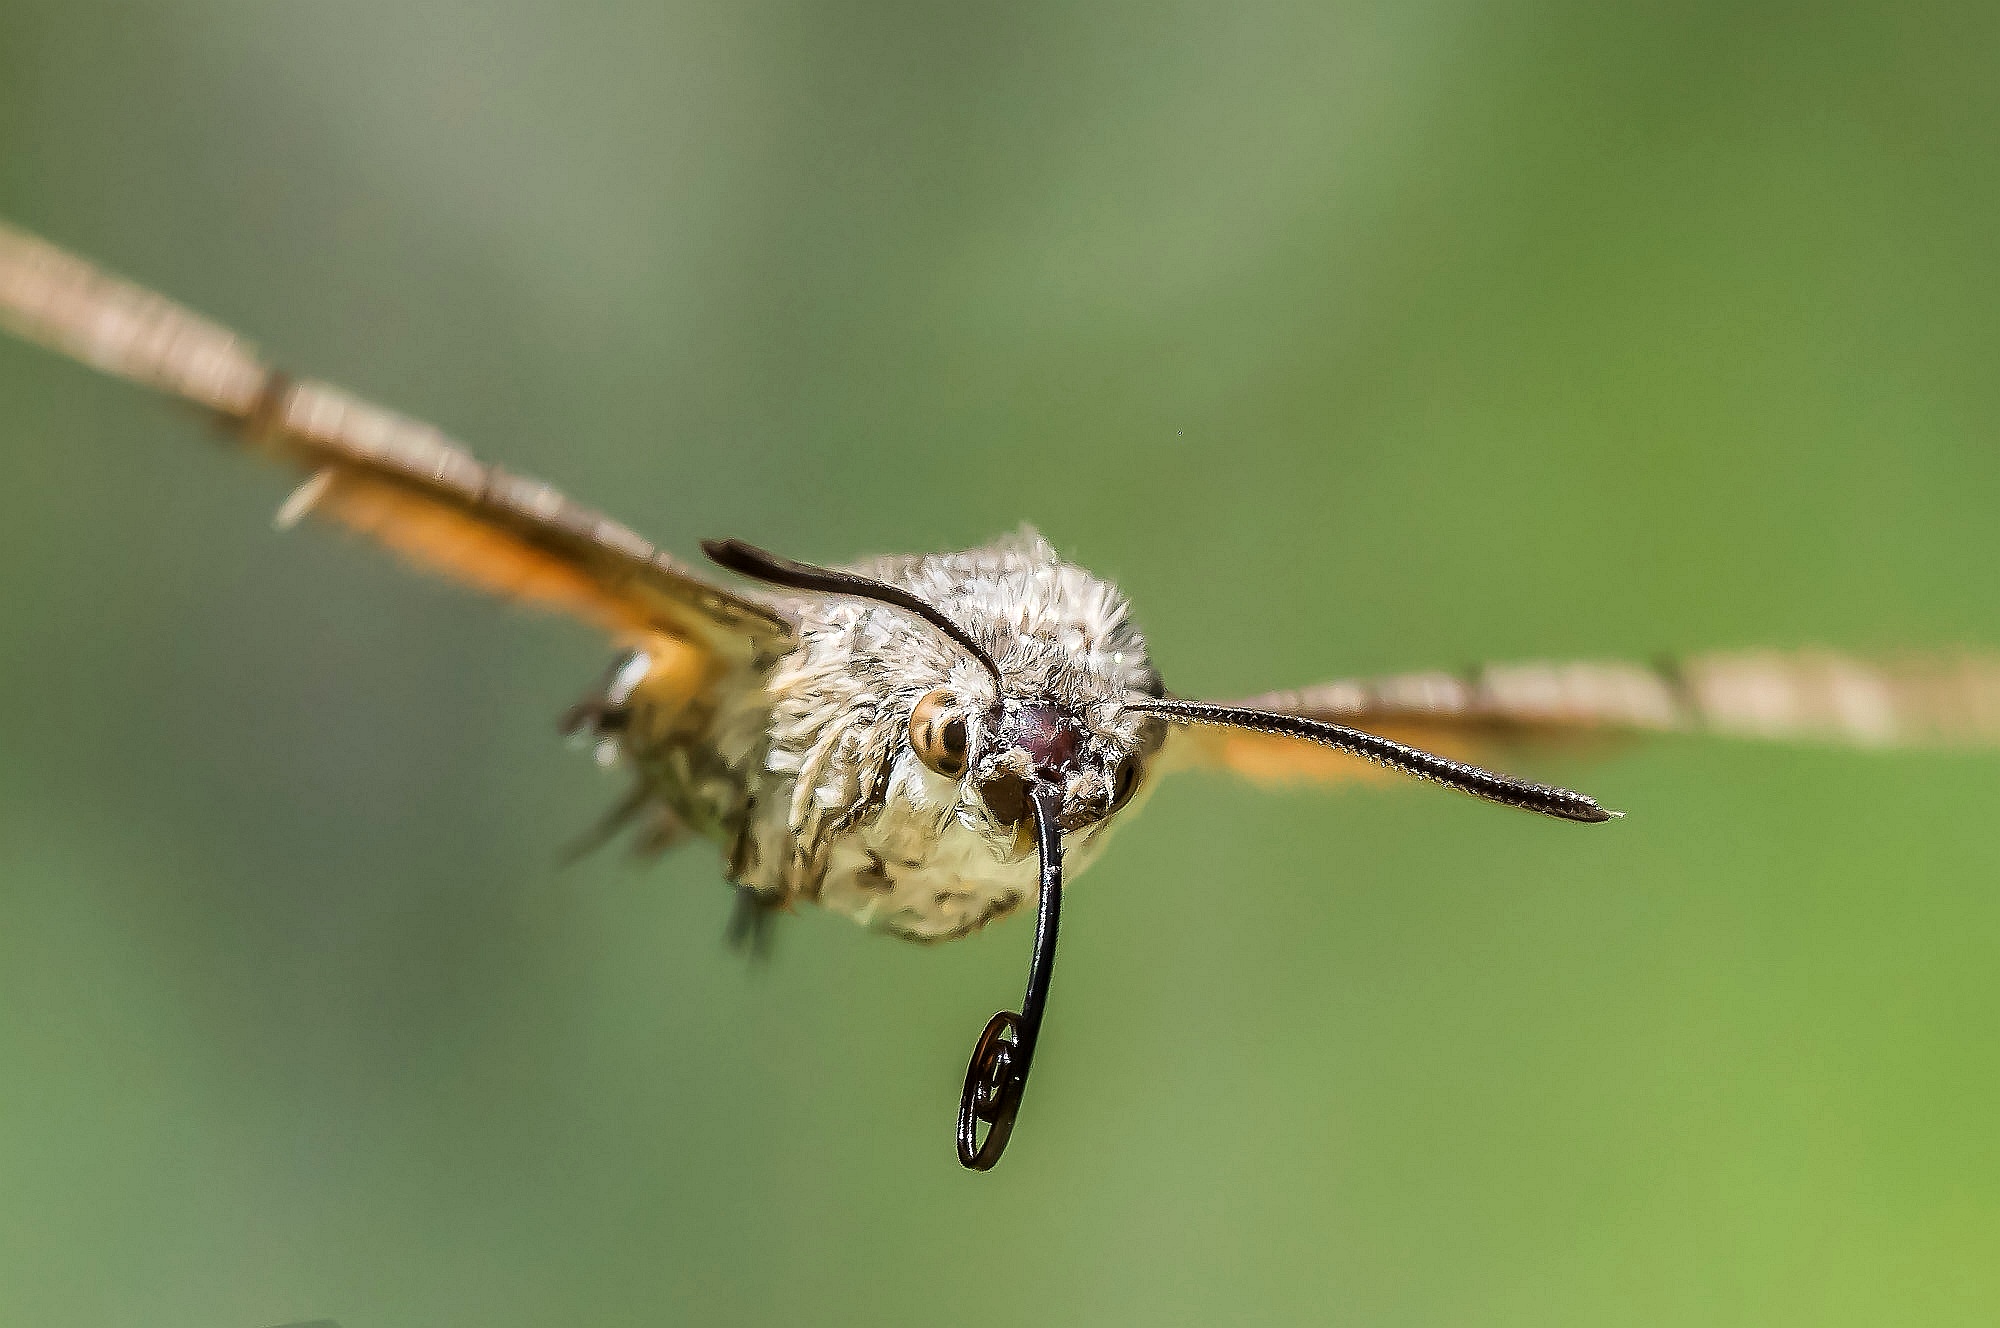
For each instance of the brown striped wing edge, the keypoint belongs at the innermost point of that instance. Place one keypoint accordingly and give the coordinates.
(393, 478)
(1514, 711)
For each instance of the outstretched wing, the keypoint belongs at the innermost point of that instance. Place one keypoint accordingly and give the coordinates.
(396, 479)
(1507, 712)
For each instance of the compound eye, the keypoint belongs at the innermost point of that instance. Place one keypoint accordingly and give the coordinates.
(1121, 788)
(938, 735)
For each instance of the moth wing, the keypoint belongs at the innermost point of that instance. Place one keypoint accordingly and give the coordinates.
(1508, 712)
(396, 479)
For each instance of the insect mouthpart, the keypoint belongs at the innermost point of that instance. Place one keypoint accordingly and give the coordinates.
(1050, 737)
(998, 1072)
(1037, 745)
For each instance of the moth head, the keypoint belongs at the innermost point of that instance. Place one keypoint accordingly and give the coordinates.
(1041, 726)
(1002, 751)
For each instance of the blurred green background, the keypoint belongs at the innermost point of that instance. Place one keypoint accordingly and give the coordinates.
(1346, 337)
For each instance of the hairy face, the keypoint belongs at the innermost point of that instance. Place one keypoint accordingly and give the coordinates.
(1037, 740)
(1095, 754)
(1013, 670)
(1067, 659)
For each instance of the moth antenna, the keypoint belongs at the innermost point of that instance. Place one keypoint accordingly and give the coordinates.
(762, 565)
(1565, 804)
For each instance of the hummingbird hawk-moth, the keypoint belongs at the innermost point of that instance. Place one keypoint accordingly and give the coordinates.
(925, 743)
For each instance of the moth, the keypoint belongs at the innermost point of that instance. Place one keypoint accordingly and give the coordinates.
(926, 743)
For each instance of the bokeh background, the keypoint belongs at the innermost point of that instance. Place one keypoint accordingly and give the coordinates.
(1348, 337)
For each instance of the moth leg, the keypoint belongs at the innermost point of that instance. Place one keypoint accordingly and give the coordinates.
(664, 830)
(605, 712)
(604, 720)
(752, 921)
(660, 828)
